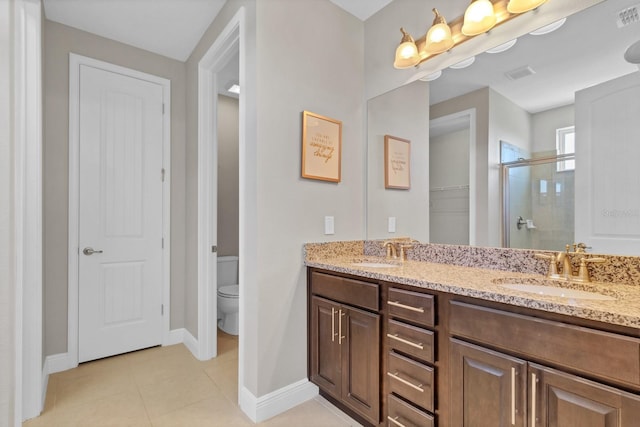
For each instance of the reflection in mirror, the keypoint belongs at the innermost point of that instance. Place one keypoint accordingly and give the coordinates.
(524, 96)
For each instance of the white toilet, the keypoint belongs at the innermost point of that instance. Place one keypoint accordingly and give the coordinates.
(228, 294)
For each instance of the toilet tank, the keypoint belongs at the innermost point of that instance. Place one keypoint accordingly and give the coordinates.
(227, 270)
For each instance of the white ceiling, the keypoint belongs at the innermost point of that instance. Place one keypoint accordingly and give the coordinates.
(168, 27)
(362, 9)
(575, 56)
(588, 49)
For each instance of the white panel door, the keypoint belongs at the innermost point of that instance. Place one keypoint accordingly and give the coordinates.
(120, 214)
(607, 173)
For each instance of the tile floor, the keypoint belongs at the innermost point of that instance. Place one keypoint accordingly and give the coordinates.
(165, 386)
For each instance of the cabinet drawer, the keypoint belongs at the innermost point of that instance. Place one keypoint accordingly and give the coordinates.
(411, 380)
(603, 354)
(403, 414)
(411, 340)
(412, 306)
(349, 291)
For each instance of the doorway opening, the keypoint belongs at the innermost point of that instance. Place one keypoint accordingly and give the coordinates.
(452, 178)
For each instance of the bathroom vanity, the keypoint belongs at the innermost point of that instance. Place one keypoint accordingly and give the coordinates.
(426, 344)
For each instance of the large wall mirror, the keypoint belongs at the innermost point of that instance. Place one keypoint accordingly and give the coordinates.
(514, 103)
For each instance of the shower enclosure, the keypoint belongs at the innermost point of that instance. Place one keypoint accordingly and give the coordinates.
(538, 202)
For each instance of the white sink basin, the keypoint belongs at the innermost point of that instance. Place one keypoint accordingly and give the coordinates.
(374, 264)
(557, 292)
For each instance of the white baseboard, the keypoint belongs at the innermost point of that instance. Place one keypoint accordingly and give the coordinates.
(262, 408)
(191, 343)
(175, 336)
(58, 363)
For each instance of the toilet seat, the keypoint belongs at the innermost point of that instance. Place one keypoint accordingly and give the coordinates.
(231, 291)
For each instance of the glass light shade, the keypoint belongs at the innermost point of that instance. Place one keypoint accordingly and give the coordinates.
(438, 37)
(521, 6)
(478, 18)
(407, 52)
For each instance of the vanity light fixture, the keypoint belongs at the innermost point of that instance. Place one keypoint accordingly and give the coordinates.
(479, 17)
(439, 35)
(407, 52)
(521, 6)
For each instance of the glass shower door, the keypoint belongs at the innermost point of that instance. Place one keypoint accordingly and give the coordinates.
(538, 203)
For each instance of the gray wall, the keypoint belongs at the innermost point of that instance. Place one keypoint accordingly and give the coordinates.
(228, 172)
(59, 41)
(7, 282)
(545, 123)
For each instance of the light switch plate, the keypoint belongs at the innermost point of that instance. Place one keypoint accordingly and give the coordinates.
(328, 225)
(391, 224)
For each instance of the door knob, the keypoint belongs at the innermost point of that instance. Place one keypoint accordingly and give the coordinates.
(90, 251)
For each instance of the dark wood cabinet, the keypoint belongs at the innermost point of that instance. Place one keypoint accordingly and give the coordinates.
(344, 347)
(397, 355)
(326, 366)
(558, 399)
(488, 389)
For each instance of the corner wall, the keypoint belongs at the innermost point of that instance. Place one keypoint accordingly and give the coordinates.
(314, 62)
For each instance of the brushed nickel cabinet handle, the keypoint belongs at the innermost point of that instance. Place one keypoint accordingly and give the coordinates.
(396, 376)
(513, 395)
(406, 341)
(340, 337)
(395, 421)
(333, 324)
(406, 307)
(534, 380)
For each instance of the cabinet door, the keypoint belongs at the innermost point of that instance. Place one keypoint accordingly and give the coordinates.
(324, 346)
(488, 389)
(558, 399)
(361, 361)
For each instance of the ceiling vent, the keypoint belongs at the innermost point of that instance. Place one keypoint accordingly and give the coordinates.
(628, 16)
(519, 73)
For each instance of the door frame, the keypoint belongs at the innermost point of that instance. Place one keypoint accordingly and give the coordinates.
(75, 61)
(470, 116)
(230, 41)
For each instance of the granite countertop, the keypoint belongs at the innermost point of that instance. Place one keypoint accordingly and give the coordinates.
(485, 284)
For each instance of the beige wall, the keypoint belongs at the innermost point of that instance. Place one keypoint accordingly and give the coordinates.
(228, 172)
(322, 72)
(507, 122)
(479, 100)
(7, 283)
(59, 41)
(544, 126)
(404, 113)
(282, 211)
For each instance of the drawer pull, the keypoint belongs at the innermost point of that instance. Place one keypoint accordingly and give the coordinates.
(406, 341)
(395, 421)
(396, 376)
(406, 307)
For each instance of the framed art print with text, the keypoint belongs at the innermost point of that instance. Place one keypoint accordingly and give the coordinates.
(321, 147)
(397, 162)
